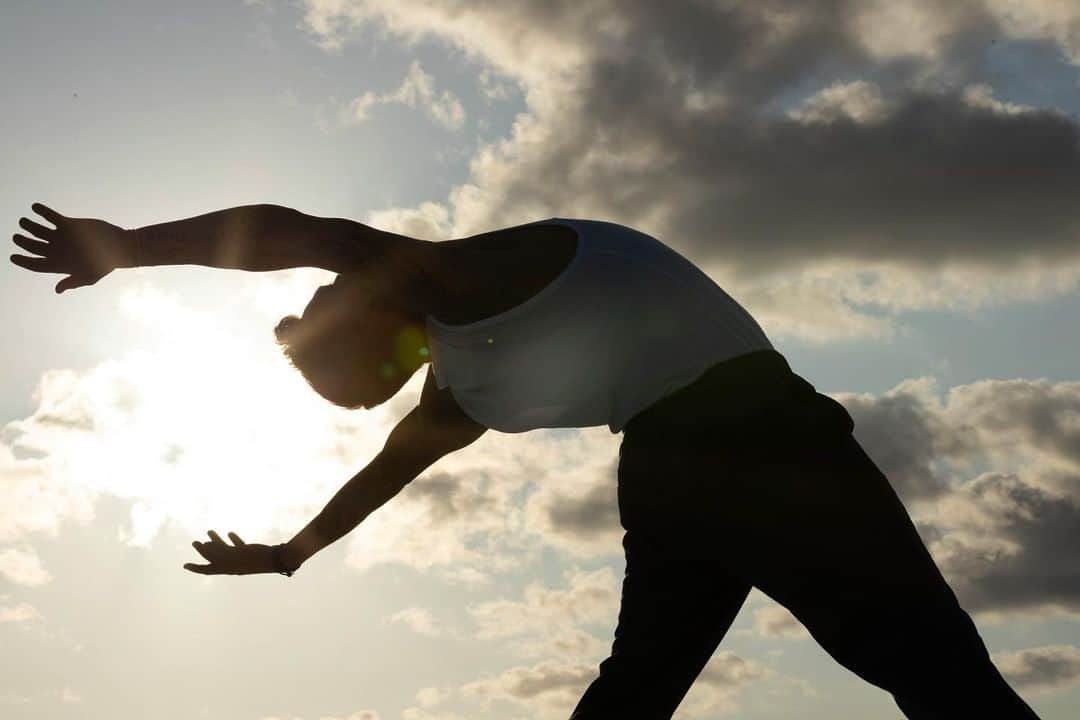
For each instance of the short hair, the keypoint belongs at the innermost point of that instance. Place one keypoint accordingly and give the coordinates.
(325, 345)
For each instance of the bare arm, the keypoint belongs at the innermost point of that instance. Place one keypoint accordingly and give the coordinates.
(249, 237)
(436, 427)
(259, 237)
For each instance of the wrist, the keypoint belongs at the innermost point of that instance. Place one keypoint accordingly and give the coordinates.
(290, 556)
(130, 250)
(277, 561)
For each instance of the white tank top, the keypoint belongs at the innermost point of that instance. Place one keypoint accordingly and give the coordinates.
(626, 323)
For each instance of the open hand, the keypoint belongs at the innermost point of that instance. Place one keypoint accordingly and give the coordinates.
(86, 249)
(236, 559)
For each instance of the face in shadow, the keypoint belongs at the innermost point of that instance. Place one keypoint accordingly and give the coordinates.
(352, 344)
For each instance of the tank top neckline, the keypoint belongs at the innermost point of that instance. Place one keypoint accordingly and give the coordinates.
(484, 323)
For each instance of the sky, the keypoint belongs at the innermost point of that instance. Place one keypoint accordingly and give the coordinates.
(890, 188)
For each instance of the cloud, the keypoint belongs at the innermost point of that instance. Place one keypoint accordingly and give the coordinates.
(67, 695)
(22, 567)
(428, 221)
(35, 500)
(358, 715)
(717, 687)
(19, 613)
(982, 95)
(774, 142)
(418, 619)
(991, 473)
(431, 696)
(990, 470)
(903, 431)
(1051, 667)
(546, 689)
(1007, 544)
(859, 101)
(183, 435)
(487, 508)
(777, 621)
(441, 519)
(917, 438)
(548, 622)
(414, 713)
(138, 428)
(416, 90)
(1039, 19)
(578, 511)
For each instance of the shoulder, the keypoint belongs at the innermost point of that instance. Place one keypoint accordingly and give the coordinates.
(439, 407)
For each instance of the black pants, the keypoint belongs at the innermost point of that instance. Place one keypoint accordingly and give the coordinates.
(750, 478)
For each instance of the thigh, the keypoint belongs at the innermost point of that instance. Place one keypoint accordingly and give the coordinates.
(852, 567)
(672, 616)
(674, 611)
(676, 605)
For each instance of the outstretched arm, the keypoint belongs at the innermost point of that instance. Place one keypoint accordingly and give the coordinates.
(433, 429)
(259, 237)
(249, 237)
(436, 427)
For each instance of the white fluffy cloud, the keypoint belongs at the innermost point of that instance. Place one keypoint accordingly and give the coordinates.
(1051, 667)
(776, 621)
(545, 690)
(22, 567)
(418, 619)
(552, 622)
(185, 436)
(717, 687)
(860, 101)
(18, 613)
(416, 90)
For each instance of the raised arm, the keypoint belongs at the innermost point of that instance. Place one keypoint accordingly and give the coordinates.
(249, 237)
(259, 237)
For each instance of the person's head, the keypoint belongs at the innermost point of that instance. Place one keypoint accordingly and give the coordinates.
(353, 344)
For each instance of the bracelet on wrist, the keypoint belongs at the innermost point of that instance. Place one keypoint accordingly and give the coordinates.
(278, 560)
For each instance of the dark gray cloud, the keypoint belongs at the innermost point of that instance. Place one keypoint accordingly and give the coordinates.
(902, 435)
(787, 136)
(671, 117)
(595, 512)
(998, 459)
(1007, 544)
(580, 513)
(451, 497)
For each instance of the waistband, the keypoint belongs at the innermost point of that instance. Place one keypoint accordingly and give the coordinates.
(750, 400)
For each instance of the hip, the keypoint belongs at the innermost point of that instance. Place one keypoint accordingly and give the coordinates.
(743, 406)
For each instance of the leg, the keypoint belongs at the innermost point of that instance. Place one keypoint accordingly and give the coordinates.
(672, 617)
(852, 567)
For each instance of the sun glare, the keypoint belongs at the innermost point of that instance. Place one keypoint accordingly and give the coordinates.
(198, 427)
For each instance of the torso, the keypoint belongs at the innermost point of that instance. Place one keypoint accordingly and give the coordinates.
(507, 267)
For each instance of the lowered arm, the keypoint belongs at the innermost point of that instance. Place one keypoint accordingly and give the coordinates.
(434, 428)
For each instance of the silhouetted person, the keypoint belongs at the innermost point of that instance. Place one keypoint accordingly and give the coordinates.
(733, 471)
